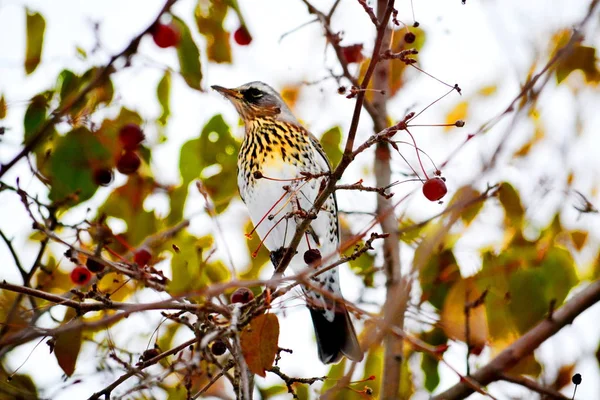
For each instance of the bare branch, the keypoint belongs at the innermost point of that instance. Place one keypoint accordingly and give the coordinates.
(533, 385)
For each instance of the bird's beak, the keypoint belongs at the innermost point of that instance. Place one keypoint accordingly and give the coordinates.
(231, 94)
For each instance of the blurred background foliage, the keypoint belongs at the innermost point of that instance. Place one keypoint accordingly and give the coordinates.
(518, 283)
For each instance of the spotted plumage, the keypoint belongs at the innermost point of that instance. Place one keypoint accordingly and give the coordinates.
(281, 170)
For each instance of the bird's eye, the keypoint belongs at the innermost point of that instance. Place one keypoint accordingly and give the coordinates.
(253, 94)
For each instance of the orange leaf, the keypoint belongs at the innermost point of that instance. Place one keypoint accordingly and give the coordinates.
(259, 343)
(68, 344)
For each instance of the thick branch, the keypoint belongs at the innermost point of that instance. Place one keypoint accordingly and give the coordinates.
(527, 343)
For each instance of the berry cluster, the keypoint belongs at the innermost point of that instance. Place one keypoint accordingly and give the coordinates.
(130, 138)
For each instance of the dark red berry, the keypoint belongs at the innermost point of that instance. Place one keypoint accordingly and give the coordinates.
(128, 163)
(149, 354)
(103, 176)
(409, 37)
(576, 379)
(242, 36)
(312, 256)
(165, 35)
(434, 189)
(353, 53)
(94, 266)
(142, 257)
(242, 295)
(131, 136)
(218, 347)
(80, 275)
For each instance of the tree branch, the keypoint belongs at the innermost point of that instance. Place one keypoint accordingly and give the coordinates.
(533, 385)
(527, 343)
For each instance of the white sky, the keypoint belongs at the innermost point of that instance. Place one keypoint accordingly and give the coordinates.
(480, 43)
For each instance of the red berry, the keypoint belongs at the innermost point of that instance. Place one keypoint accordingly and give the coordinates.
(165, 35)
(409, 37)
(242, 36)
(131, 136)
(434, 189)
(80, 275)
(242, 295)
(142, 257)
(353, 53)
(128, 163)
(312, 256)
(218, 347)
(94, 266)
(103, 176)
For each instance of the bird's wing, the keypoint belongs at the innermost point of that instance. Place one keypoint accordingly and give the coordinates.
(315, 142)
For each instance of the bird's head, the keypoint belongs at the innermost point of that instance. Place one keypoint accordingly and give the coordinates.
(257, 100)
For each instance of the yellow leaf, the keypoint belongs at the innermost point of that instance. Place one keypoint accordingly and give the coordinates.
(488, 90)
(290, 94)
(458, 113)
(453, 318)
(259, 343)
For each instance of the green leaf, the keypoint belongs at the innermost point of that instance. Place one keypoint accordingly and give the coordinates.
(374, 368)
(68, 344)
(429, 364)
(465, 195)
(538, 283)
(189, 56)
(163, 92)
(71, 165)
(510, 200)
(16, 386)
(188, 266)
(36, 25)
(35, 116)
(336, 372)
(209, 19)
(331, 141)
(437, 277)
(214, 146)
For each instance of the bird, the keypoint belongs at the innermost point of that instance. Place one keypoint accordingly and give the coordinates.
(281, 170)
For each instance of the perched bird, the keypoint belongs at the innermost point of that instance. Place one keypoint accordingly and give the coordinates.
(281, 169)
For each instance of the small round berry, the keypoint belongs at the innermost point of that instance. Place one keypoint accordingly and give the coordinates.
(142, 257)
(409, 37)
(312, 256)
(165, 35)
(80, 275)
(434, 189)
(242, 295)
(103, 176)
(218, 347)
(416, 24)
(128, 163)
(242, 36)
(149, 354)
(131, 136)
(576, 379)
(341, 90)
(94, 266)
(353, 53)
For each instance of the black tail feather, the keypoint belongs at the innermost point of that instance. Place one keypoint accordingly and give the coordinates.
(337, 338)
